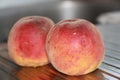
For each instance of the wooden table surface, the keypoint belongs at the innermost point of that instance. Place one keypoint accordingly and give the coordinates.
(109, 69)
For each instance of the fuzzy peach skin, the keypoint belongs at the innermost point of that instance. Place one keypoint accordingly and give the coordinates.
(26, 41)
(75, 47)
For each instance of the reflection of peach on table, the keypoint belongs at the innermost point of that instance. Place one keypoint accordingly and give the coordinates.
(49, 73)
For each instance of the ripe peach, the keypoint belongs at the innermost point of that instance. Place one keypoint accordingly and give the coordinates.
(26, 41)
(75, 47)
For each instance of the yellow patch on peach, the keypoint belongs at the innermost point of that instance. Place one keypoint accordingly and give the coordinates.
(78, 67)
(29, 62)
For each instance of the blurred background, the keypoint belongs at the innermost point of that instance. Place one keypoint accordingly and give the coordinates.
(96, 11)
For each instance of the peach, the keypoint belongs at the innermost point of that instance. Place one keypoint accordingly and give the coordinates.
(27, 39)
(75, 47)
